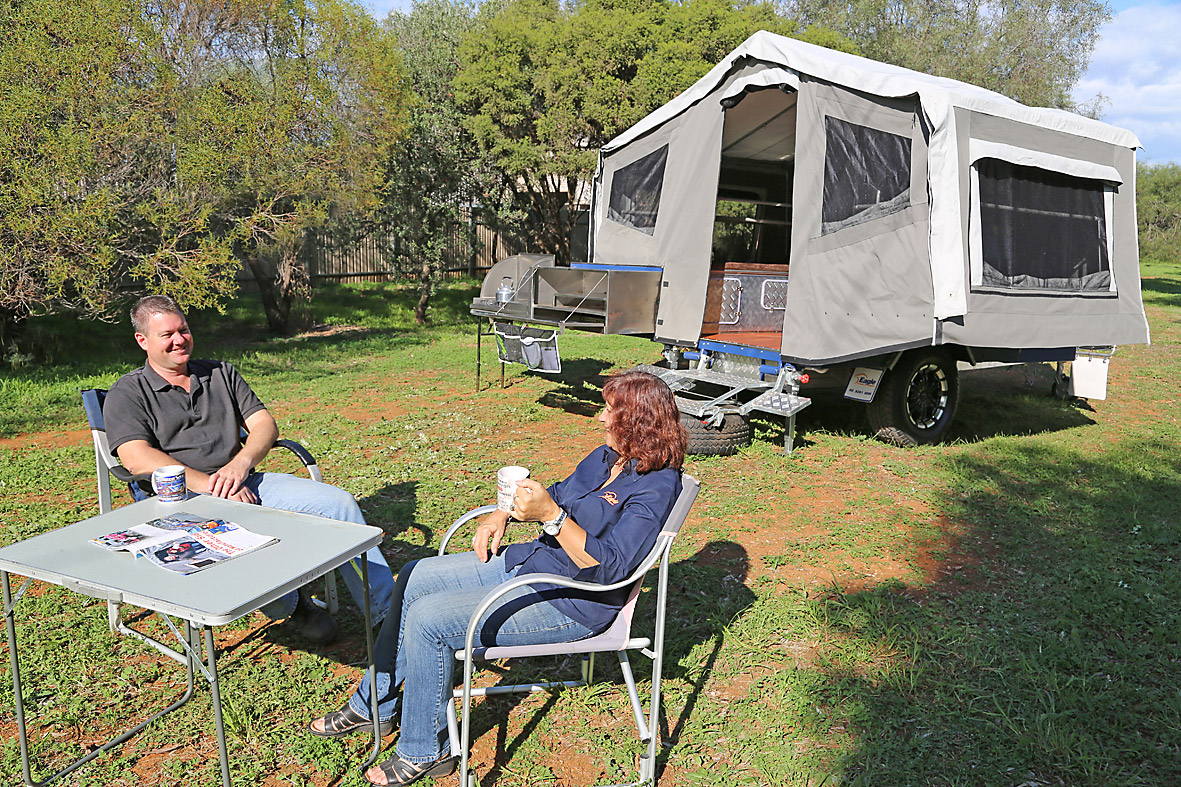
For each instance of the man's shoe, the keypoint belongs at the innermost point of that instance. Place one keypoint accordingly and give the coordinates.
(313, 624)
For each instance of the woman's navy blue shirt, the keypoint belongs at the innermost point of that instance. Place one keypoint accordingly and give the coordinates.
(621, 522)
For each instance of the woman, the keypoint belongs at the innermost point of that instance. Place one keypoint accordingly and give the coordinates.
(598, 525)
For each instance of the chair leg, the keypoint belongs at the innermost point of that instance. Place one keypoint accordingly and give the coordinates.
(634, 696)
(588, 668)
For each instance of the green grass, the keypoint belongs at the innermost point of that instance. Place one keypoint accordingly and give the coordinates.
(999, 610)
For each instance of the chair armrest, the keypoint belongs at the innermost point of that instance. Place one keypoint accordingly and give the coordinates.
(495, 593)
(301, 453)
(304, 454)
(463, 520)
(126, 476)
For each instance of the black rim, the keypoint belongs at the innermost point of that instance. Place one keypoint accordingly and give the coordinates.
(927, 396)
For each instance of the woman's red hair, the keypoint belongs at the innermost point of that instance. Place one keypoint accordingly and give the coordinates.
(644, 420)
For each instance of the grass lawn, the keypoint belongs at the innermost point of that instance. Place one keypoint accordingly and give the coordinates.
(999, 610)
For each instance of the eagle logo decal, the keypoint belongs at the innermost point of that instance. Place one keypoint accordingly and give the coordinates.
(611, 498)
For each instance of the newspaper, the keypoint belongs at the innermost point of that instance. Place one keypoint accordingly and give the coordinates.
(184, 543)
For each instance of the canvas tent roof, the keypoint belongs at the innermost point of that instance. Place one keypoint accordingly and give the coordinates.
(788, 59)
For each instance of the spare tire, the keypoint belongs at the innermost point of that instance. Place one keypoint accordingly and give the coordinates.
(724, 440)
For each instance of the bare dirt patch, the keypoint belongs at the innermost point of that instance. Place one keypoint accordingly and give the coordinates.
(46, 440)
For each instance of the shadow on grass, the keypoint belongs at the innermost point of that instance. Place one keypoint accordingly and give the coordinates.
(993, 403)
(580, 387)
(1051, 659)
(1162, 292)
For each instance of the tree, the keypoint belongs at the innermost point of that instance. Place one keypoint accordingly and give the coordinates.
(163, 141)
(292, 110)
(545, 85)
(435, 175)
(1031, 50)
(82, 151)
(1158, 211)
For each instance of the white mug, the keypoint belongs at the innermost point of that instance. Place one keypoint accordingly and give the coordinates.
(169, 483)
(506, 485)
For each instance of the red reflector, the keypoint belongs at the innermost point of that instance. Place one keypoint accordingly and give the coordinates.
(803, 379)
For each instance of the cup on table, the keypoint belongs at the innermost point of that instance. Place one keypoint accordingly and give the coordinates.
(168, 482)
(506, 485)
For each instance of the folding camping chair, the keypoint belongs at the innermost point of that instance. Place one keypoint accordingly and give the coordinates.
(106, 466)
(616, 639)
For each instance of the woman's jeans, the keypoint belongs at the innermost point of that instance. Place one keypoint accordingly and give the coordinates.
(417, 643)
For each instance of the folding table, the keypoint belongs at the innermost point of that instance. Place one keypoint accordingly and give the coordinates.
(308, 547)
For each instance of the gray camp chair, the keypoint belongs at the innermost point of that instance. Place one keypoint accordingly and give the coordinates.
(107, 466)
(616, 639)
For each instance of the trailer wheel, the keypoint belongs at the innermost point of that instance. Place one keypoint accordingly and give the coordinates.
(724, 440)
(917, 400)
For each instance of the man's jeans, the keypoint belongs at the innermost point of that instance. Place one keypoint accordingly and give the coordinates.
(417, 644)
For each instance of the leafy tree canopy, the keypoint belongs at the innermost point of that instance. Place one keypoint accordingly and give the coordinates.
(435, 174)
(546, 84)
(162, 141)
(1031, 50)
(1158, 211)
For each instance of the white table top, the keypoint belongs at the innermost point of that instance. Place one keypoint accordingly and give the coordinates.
(308, 547)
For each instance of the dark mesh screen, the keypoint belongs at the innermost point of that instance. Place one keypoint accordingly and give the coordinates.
(1041, 229)
(866, 174)
(635, 191)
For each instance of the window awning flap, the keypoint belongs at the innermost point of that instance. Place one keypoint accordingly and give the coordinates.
(980, 149)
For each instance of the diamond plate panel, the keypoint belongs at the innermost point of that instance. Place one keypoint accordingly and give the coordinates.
(738, 365)
(731, 306)
(776, 403)
(774, 295)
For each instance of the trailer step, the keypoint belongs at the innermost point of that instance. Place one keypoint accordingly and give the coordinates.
(776, 403)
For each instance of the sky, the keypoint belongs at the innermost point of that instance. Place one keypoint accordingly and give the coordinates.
(1136, 65)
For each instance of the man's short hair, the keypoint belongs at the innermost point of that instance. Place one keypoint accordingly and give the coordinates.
(150, 305)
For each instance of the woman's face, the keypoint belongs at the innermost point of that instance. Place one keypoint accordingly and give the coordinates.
(607, 419)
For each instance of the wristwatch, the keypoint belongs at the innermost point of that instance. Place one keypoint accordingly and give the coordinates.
(554, 526)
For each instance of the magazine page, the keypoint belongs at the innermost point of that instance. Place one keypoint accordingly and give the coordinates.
(183, 542)
(134, 539)
(184, 555)
(190, 552)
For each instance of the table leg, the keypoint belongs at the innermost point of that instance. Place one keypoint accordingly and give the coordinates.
(372, 671)
(22, 731)
(10, 632)
(214, 689)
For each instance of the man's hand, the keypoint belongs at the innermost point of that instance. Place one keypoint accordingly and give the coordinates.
(227, 481)
(489, 531)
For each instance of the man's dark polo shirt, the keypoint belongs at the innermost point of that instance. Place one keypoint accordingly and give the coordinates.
(198, 428)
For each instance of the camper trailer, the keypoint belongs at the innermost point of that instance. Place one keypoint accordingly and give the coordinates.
(802, 218)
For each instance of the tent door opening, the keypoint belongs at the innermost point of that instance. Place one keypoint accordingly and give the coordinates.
(747, 291)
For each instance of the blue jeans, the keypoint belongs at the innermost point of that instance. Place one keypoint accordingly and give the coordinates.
(416, 646)
(292, 493)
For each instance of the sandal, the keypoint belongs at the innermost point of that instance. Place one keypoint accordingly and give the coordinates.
(346, 720)
(398, 772)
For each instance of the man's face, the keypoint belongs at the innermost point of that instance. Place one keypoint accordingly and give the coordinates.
(167, 342)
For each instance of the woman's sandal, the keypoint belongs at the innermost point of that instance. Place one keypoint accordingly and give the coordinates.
(398, 772)
(346, 720)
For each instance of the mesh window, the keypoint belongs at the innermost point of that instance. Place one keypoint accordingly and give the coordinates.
(1041, 230)
(866, 174)
(635, 192)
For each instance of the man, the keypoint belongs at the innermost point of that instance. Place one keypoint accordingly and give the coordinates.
(175, 410)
